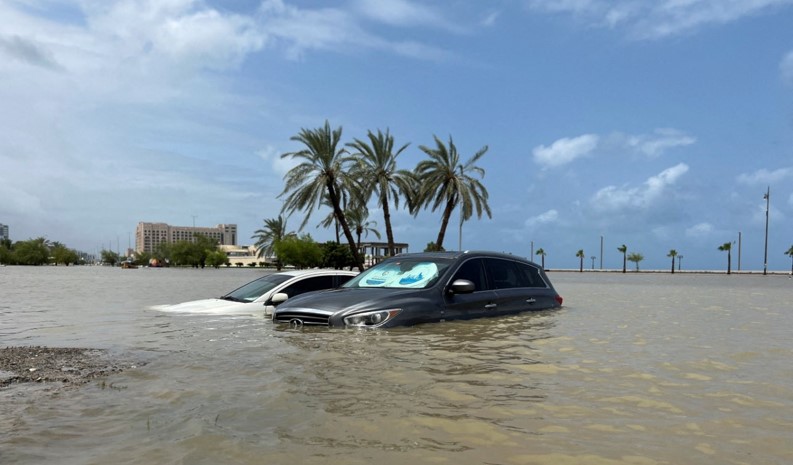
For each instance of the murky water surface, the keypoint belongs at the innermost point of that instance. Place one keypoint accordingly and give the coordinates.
(636, 369)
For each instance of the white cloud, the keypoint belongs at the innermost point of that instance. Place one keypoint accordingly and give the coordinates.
(568, 149)
(700, 230)
(655, 19)
(490, 19)
(401, 13)
(302, 30)
(550, 216)
(765, 176)
(613, 198)
(786, 68)
(662, 139)
(565, 150)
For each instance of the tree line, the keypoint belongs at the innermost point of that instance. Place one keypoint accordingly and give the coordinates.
(346, 177)
(36, 252)
(637, 257)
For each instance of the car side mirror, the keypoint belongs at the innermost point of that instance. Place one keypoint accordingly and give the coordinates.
(276, 299)
(462, 286)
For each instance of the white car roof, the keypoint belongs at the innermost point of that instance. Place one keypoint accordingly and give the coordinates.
(318, 271)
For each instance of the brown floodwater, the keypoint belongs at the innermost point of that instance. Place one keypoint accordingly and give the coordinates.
(635, 369)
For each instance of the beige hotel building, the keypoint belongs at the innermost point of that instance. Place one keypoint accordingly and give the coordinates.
(149, 235)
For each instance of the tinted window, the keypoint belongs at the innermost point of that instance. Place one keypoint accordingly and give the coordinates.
(503, 274)
(254, 289)
(531, 275)
(309, 284)
(473, 271)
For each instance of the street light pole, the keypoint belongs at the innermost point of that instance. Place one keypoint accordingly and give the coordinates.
(460, 239)
(767, 198)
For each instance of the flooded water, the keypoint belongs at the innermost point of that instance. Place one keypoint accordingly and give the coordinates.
(635, 369)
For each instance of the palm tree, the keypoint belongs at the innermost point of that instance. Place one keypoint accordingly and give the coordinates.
(322, 174)
(727, 246)
(672, 253)
(444, 180)
(580, 255)
(624, 249)
(358, 220)
(377, 164)
(273, 232)
(541, 253)
(635, 257)
(790, 252)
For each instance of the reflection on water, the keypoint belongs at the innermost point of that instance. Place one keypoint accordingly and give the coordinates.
(635, 369)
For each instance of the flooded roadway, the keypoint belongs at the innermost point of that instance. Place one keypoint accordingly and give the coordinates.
(636, 369)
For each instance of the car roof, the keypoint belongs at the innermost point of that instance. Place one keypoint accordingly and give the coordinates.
(317, 272)
(454, 254)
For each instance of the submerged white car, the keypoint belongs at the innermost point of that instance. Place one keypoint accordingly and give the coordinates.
(261, 296)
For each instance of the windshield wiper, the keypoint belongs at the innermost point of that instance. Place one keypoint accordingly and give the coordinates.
(232, 299)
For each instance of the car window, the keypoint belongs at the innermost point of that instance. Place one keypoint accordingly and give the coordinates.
(315, 283)
(473, 271)
(531, 275)
(503, 274)
(255, 289)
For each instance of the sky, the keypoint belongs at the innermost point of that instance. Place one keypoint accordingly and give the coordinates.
(658, 124)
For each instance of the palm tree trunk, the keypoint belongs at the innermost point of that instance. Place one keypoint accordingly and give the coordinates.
(334, 200)
(389, 233)
(673, 265)
(624, 262)
(447, 213)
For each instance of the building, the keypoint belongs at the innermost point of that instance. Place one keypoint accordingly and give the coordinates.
(150, 235)
(4, 232)
(375, 252)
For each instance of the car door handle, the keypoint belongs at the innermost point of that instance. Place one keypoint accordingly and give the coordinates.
(531, 300)
(490, 306)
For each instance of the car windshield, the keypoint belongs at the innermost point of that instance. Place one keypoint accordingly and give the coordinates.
(408, 273)
(254, 289)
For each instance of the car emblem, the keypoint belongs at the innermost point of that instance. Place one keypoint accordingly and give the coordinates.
(296, 323)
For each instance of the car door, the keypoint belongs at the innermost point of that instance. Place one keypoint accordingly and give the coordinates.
(303, 285)
(472, 305)
(518, 287)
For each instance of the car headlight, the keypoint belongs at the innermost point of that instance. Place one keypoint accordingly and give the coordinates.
(370, 319)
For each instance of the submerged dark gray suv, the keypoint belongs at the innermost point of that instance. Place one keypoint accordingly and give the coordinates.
(409, 289)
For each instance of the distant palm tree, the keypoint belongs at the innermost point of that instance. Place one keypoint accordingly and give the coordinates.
(444, 180)
(727, 246)
(790, 252)
(358, 219)
(541, 253)
(580, 255)
(273, 232)
(635, 257)
(377, 164)
(672, 253)
(624, 249)
(322, 174)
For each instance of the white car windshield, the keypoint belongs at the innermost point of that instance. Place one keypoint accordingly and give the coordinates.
(398, 274)
(255, 289)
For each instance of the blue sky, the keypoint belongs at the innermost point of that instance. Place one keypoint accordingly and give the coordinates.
(656, 124)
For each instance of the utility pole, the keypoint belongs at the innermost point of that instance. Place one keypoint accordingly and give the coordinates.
(601, 252)
(460, 240)
(767, 198)
(739, 251)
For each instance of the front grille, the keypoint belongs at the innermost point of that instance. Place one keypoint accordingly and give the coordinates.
(308, 318)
